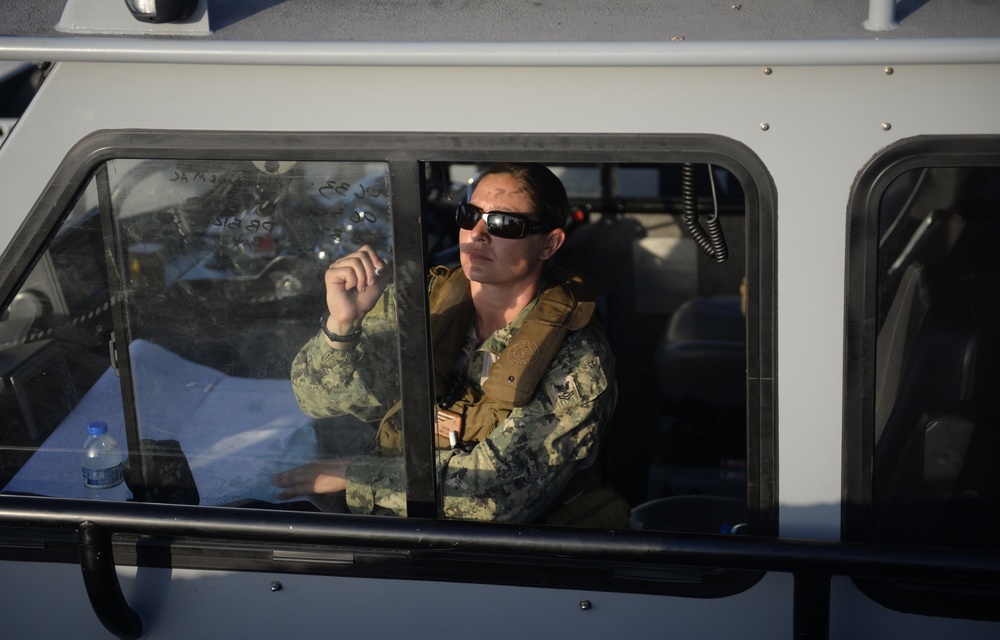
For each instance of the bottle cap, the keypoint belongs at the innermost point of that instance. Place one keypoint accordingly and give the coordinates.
(97, 428)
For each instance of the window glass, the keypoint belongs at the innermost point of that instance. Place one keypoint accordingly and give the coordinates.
(676, 446)
(206, 277)
(935, 477)
(54, 340)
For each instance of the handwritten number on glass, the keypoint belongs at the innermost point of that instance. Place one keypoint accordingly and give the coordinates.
(252, 226)
(358, 216)
(333, 188)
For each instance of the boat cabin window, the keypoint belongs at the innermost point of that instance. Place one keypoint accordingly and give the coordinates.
(178, 293)
(679, 327)
(170, 306)
(923, 450)
(677, 445)
(934, 443)
(935, 474)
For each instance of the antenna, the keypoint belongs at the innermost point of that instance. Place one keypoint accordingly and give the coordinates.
(881, 15)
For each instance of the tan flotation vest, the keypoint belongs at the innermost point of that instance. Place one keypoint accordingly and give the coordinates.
(567, 304)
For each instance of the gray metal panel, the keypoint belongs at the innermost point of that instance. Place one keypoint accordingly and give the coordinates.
(241, 605)
(823, 126)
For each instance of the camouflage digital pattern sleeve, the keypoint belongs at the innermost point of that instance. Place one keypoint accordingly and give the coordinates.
(516, 473)
(362, 382)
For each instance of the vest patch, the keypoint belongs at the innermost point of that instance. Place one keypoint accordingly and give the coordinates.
(563, 390)
(522, 352)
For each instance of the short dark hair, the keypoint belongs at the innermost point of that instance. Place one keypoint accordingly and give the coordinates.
(544, 189)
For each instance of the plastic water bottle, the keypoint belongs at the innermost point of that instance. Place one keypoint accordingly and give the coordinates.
(102, 465)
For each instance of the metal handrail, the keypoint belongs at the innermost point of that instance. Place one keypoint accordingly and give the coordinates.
(840, 558)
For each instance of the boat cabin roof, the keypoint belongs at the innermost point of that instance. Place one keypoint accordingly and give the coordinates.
(533, 21)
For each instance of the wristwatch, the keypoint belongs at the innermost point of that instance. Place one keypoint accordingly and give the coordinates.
(354, 336)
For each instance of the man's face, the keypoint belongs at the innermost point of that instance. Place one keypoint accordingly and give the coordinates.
(490, 260)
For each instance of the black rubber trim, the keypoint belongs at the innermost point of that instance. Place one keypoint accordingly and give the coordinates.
(402, 149)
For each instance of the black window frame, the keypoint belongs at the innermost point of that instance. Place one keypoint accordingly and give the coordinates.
(861, 291)
(405, 154)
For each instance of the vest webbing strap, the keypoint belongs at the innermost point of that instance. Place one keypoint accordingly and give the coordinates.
(567, 305)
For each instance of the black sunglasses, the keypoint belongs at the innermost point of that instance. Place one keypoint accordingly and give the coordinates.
(499, 223)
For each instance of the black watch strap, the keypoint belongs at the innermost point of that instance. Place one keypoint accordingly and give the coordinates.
(354, 336)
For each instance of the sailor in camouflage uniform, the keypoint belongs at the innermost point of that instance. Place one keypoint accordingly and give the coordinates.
(527, 377)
